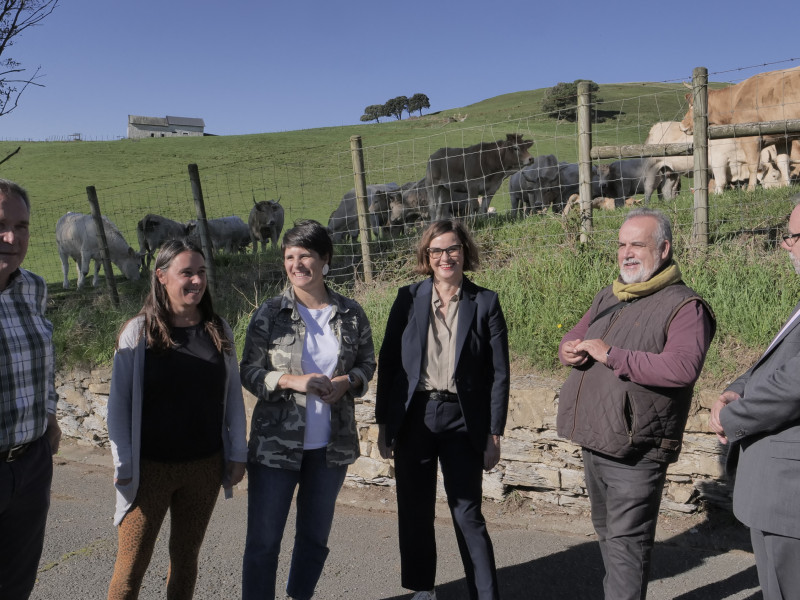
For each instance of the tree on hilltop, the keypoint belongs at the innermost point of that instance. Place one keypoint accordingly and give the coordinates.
(15, 17)
(561, 100)
(418, 102)
(396, 106)
(374, 112)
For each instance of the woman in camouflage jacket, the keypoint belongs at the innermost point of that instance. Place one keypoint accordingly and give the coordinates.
(307, 354)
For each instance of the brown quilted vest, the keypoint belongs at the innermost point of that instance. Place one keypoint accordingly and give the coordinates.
(613, 416)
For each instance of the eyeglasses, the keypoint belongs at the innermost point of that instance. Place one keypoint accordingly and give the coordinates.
(452, 251)
(789, 239)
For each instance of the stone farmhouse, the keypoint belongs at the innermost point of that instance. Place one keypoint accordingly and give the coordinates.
(145, 127)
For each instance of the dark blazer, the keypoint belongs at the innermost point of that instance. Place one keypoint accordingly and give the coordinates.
(481, 364)
(763, 427)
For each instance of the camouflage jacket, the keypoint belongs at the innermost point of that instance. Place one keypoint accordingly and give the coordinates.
(273, 347)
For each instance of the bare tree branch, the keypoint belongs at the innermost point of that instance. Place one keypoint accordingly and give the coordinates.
(10, 155)
(15, 17)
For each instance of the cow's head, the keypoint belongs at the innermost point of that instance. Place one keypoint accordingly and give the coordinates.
(514, 152)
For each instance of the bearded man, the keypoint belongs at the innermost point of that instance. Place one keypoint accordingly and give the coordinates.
(635, 356)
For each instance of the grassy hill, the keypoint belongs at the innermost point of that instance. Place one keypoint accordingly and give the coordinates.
(308, 169)
(545, 277)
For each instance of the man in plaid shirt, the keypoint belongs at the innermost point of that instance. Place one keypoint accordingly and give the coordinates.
(29, 431)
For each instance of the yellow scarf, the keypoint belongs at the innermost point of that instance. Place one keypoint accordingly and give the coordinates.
(628, 291)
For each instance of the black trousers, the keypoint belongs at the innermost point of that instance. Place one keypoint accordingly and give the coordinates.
(434, 432)
(24, 502)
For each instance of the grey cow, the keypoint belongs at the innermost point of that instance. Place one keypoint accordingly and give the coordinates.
(384, 203)
(550, 184)
(525, 186)
(265, 223)
(474, 171)
(230, 234)
(626, 178)
(153, 231)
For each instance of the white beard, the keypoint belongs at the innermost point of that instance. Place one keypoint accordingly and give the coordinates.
(795, 262)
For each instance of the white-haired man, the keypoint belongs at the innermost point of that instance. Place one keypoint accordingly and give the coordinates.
(636, 355)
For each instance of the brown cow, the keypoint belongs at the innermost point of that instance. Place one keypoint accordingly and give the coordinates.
(771, 96)
(470, 172)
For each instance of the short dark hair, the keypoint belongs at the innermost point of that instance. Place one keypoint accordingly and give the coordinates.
(469, 249)
(9, 188)
(311, 235)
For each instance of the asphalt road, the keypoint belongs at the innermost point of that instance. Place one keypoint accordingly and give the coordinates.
(541, 552)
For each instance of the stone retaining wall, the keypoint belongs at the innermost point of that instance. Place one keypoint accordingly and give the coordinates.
(535, 463)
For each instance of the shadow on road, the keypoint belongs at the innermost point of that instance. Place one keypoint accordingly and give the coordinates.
(577, 573)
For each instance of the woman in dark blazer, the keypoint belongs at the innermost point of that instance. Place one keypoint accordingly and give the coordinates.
(443, 382)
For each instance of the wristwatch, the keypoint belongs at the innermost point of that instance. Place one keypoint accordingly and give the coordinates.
(352, 380)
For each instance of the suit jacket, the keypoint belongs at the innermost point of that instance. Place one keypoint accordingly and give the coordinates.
(482, 370)
(764, 429)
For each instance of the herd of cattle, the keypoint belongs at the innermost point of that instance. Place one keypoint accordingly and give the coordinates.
(462, 182)
(76, 236)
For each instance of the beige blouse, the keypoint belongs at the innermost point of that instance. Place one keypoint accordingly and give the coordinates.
(439, 363)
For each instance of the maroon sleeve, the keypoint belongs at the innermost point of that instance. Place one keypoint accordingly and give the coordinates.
(680, 362)
(576, 333)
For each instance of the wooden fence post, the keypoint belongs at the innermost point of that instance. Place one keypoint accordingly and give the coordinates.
(585, 158)
(361, 203)
(97, 216)
(202, 224)
(700, 135)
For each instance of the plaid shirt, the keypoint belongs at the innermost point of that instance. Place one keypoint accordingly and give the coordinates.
(27, 362)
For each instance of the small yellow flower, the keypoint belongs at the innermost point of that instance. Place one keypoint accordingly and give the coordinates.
(559, 325)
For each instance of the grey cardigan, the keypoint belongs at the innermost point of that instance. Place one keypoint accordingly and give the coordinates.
(125, 412)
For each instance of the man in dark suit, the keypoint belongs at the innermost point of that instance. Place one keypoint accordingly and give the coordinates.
(759, 414)
(443, 385)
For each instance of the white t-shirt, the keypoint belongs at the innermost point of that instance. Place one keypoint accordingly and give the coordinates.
(320, 354)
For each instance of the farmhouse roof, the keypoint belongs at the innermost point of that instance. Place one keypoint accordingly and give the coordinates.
(137, 120)
(164, 122)
(185, 121)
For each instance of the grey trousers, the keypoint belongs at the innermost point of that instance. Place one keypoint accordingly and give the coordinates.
(777, 561)
(625, 497)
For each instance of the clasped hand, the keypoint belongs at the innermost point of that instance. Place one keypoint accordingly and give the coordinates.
(577, 352)
(329, 390)
(714, 424)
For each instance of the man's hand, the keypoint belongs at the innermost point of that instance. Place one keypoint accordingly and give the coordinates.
(53, 432)
(714, 423)
(597, 349)
(571, 355)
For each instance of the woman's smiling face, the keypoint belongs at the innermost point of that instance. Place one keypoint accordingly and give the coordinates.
(303, 267)
(184, 280)
(448, 267)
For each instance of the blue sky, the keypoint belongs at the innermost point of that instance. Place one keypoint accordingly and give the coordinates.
(261, 66)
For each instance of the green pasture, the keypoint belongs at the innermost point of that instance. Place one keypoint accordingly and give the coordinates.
(545, 277)
(309, 170)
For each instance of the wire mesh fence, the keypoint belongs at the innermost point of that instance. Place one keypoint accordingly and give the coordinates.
(312, 181)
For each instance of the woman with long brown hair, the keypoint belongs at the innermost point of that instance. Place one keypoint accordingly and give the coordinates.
(175, 421)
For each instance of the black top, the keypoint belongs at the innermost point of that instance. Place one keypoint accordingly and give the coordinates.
(183, 398)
